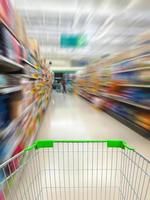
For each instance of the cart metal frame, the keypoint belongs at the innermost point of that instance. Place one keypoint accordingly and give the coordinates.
(76, 170)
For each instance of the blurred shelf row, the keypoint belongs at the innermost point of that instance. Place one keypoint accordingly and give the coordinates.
(25, 86)
(120, 85)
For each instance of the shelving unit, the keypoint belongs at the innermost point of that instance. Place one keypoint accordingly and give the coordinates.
(118, 98)
(133, 58)
(129, 123)
(7, 65)
(120, 86)
(135, 85)
(131, 70)
(26, 88)
(9, 29)
(27, 62)
(7, 90)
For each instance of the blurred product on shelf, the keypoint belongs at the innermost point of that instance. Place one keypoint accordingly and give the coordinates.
(7, 12)
(4, 111)
(9, 47)
(19, 28)
(120, 85)
(25, 85)
(34, 48)
(143, 119)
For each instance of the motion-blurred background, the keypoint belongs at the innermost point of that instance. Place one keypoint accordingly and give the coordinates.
(96, 49)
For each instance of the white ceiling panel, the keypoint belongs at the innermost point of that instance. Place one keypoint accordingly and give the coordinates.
(108, 24)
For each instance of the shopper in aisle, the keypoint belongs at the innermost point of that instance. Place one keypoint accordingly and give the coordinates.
(63, 83)
(58, 86)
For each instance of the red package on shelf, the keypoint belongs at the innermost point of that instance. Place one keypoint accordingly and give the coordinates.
(6, 12)
(2, 196)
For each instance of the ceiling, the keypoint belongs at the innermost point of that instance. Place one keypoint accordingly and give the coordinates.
(109, 25)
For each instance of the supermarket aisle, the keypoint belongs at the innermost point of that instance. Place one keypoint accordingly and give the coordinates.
(70, 117)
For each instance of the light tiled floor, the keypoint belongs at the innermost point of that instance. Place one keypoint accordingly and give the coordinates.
(70, 117)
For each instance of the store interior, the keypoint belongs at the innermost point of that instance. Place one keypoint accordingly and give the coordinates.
(74, 70)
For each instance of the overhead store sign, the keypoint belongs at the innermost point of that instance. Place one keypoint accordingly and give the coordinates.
(73, 41)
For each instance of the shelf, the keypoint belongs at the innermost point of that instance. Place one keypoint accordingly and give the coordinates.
(131, 124)
(117, 98)
(28, 76)
(91, 93)
(27, 62)
(7, 65)
(142, 131)
(7, 90)
(14, 35)
(131, 70)
(9, 29)
(135, 85)
(15, 121)
(81, 95)
(132, 59)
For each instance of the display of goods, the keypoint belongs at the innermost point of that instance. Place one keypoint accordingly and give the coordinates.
(30, 58)
(10, 79)
(8, 40)
(144, 75)
(16, 108)
(20, 30)
(34, 47)
(137, 95)
(146, 126)
(20, 115)
(3, 80)
(123, 65)
(17, 50)
(24, 53)
(16, 105)
(128, 76)
(144, 117)
(29, 70)
(1, 193)
(7, 12)
(99, 102)
(10, 47)
(4, 111)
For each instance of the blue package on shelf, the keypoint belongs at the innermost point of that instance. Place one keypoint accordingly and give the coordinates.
(4, 111)
(135, 94)
(1, 175)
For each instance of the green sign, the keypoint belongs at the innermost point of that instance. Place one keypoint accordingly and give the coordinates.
(73, 41)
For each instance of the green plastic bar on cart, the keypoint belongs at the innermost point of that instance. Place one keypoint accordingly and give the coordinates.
(39, 144)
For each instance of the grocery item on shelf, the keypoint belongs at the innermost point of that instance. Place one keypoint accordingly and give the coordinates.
(4, 111)
(24, 95)
(10, 47)
(121, 109)
(144, 76)
(16, 105)
(146, 126)
(143, 119)
(8, 81)
(34, 48)
(136, 95)
(122, 84)
(7, 12)
(19, 28)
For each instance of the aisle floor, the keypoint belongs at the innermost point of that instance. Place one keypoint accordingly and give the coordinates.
(70, 117)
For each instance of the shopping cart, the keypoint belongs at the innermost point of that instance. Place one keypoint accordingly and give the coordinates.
(76, 170)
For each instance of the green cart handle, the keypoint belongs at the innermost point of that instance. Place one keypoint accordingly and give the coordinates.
(39, 144)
